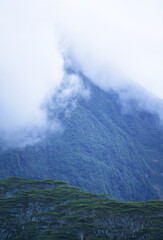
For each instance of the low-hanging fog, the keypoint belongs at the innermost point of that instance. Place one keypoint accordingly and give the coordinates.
(117, 44)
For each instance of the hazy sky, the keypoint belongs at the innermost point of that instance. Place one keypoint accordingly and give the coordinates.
(118, 44)
(122, 37)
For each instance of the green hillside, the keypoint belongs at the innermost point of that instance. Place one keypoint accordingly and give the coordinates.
(100, 150)
(48, 210)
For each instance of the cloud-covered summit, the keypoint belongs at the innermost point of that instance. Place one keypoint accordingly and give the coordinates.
(117, 44)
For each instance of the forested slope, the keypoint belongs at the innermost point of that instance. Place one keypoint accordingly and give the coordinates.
(46, 210)
(101, 150)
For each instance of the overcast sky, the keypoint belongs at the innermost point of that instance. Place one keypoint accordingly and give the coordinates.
(123, 37)
(116, 43)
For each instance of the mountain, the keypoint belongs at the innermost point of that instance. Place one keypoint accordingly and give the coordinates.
(101, 150)
(49, 209)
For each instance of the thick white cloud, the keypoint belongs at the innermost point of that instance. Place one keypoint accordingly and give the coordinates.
(120, 39)
(117, 44)
(31, 65)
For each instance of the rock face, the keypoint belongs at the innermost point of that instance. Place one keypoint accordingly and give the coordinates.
(101, 150)
(51, 209)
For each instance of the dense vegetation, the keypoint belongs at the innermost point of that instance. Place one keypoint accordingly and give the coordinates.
(101, 150)
(49, 209)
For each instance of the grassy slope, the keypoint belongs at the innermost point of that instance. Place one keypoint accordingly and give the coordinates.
(101, 150)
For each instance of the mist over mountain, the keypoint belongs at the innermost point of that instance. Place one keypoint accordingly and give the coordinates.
(81, 94)
(101, 149)
(117, 45)
(81, 102)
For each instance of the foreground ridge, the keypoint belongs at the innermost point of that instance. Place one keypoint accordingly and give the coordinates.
(50, 209)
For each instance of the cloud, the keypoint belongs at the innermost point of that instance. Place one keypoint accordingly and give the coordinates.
(31, 66)
(121, 39)
(65, 97)
(117, 44)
